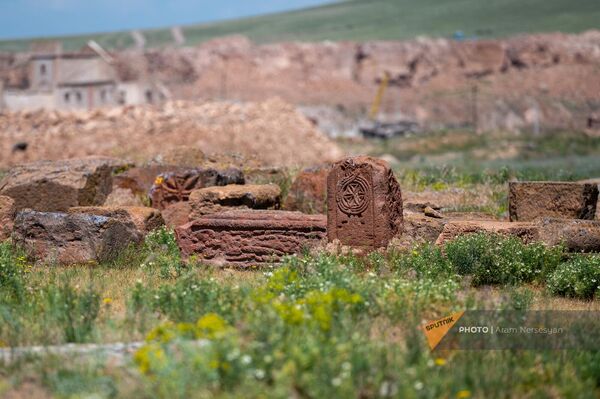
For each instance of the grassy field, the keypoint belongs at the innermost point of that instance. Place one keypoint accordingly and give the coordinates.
(320, 325)
(375, 19)
(458, 157)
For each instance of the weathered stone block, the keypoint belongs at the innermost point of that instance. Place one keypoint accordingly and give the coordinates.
(217, 199)
(244, 238)
(308, 193)
(123, 197)
(529, 201)
(143, 218)
(177, 186)
(527, 232)
(364, 203)
(65, 238)
(418, 229)
(59, 185)
(575, 234)
(177, 214)
(7, 215)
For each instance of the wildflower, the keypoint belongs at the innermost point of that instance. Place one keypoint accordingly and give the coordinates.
(149, 357)
(163, 333)
(159, 180)
(107, 301)
(336, 382)
(440, 361)
(211, 326)
(463, 394)
(246, 360)
(419, 385)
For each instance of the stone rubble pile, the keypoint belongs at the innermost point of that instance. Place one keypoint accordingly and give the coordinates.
(271, 130)
(60, 212)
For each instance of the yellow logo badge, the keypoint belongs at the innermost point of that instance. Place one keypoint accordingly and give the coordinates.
(437, 329)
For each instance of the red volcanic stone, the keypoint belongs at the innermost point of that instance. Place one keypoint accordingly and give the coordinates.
(526, 231)
(528, 201)
(364, 203)
(59, 185)
(249, 237)
(7, 215)
(177, 214)
(308, 193)
(172, 187)
(72, 238)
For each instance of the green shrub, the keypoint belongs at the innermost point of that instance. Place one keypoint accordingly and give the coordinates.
(426, 260)
(498, 259)
(82, 382)
(187, 299)
(72, 311)
(577, 278)
(163, 254)
(12, 273)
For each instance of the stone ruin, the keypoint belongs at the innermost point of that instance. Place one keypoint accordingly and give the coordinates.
(529, 201)
(172, 187)
(58, 211)
(244, 238)
(364, 205)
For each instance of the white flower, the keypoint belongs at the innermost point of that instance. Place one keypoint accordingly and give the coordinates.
(246, 359)
(419, 385)
(259, 374)
(336, 382)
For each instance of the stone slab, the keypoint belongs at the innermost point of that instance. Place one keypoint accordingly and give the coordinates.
(251, 237)
(528, 201)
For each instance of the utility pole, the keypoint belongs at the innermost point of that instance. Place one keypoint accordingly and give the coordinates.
(474, 110)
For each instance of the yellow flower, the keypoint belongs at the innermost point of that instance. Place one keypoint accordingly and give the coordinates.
(107, 301)
(159, 180)
(150, 357)
(464, 394)
(162, 333)
(440, 361)
(211, 326)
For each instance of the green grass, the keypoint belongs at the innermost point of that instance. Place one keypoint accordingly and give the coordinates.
(376, 19)
(320, 325)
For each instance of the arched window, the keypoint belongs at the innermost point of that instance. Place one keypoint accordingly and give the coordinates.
(43, 69)
(149, 96)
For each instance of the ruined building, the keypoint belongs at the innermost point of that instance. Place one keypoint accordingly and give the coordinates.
(53, 79)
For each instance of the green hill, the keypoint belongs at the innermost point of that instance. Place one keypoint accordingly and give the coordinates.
(376, 19)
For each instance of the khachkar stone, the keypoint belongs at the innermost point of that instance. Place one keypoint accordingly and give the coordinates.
(177, 186)
(250, 237)
(364, 203)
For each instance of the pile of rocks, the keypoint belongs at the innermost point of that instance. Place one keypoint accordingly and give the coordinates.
(91, 209)
(272, 129)
(60, 211)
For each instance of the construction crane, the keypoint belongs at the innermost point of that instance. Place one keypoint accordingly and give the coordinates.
(383, 84)
(384, 130)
